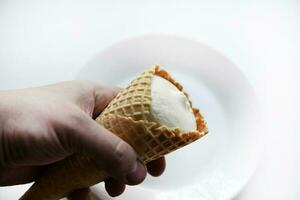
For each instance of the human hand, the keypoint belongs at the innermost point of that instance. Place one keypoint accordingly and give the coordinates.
(43, 125)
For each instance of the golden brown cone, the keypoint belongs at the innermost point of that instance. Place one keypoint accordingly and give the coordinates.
(128, 116)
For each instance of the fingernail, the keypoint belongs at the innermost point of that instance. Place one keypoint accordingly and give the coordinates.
(137, 174)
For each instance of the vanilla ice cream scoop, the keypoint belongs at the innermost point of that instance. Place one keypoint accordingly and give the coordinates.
(170, 106)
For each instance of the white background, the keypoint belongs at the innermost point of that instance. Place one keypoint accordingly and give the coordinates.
(43, 42)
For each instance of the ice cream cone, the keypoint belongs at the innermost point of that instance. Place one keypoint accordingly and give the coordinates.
(128, 116)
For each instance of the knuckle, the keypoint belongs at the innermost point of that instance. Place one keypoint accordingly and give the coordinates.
(69, 129)
(76, 120)
(86, 83)
(75, 125)
(71, 122)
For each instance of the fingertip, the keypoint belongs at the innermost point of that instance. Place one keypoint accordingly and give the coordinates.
(137, 174)
(113, 187)
(156, 167)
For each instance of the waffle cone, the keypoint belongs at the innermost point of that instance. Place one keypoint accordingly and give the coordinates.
(127, 116)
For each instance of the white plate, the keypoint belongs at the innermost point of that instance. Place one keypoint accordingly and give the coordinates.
(218, 165)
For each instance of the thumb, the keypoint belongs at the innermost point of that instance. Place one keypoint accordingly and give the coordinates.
(109, 151)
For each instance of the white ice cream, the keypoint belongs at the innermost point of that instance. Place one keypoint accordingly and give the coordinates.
(170, 107)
